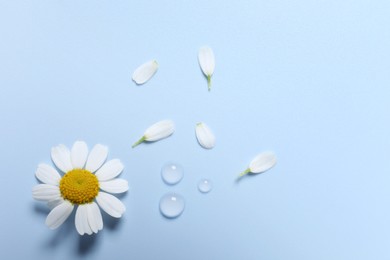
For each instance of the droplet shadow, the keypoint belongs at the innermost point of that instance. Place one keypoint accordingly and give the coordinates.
(169, 219)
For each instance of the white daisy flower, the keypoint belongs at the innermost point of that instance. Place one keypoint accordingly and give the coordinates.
(87, 177)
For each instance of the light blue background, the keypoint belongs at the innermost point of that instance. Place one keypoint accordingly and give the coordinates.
(307, 79)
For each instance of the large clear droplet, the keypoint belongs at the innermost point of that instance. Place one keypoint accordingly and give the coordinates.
(171, 205)
(172, 173)
(204, 186)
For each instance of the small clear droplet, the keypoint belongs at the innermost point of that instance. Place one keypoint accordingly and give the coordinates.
(172, 205)
(205, 185)
(172, 173)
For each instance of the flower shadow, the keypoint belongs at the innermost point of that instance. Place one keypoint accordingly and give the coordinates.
(87, 243)
(62, 233)
(111, 223)
(41, 209)
(59, 236)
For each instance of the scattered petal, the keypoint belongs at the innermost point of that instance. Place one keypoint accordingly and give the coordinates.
(60, 155)
(59, 214)
(205, 136)
(158, 131)
(261, 163)
(115, 186)
(96, 158)
(79, 154)
(47, 174)
(207, 62)
(145, 72)
(110, 204)
(109, 170)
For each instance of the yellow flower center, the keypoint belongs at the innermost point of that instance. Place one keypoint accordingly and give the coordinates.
(79, 186)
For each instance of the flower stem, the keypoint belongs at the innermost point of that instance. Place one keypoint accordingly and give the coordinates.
(139, 141)
(244, 172)
(209, 82)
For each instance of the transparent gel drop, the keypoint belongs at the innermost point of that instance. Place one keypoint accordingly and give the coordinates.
(172, 173)
(171, 205)
(205, 186)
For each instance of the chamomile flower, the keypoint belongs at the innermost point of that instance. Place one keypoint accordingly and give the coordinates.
(84, 185)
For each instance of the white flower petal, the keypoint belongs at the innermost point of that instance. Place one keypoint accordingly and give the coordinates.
(79, 154)
(145, 72)
(114, 186)
(94, 217)
(81, 220)
(59, 214)
(54, 203)
(109, 170)
(78, 221)
(207, 62)
(46, 192)
(60, 155)
(110, 204)
(157, 131)
(262, 162)
(47, 174)
(205, 136)
(97, 157)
